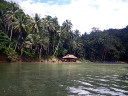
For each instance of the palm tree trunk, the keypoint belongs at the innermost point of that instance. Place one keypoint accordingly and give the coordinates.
(8, 28)
(57, 47)
(10, 37)
(104, 54)
(57, 44)
(48, 50)
(53, 41)
(35, 49)
(5, 29)
(17, 42)
(40, 53)
(21, 52)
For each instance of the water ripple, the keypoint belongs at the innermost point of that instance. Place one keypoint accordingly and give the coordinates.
(78, 90)
(85, 83)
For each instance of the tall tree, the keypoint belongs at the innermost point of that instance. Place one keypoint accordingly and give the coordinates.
(12, 17)
(20, 27)
(35, 23)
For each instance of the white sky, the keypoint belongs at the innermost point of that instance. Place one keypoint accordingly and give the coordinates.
(84, 14)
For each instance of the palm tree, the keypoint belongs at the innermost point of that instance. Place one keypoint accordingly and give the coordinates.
(67, 25)
(49, 25)
(30, 42)
(35, 24)
(43, 42)
(11, 21)
(20, 26)
(12, 17)
(60, 31)
(3, 21)
(55, 31)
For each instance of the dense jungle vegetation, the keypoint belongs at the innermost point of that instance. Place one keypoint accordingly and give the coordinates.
(22, 36)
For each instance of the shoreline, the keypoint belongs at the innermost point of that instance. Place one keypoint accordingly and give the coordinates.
(5, 59)
(47, 61)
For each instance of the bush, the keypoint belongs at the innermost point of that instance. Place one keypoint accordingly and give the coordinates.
(4, 39)
(52, 57)
(82, 59)
(6, 50)
(29, 54)
(11, 55)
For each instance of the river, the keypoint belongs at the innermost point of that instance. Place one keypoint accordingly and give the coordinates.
(39, 79)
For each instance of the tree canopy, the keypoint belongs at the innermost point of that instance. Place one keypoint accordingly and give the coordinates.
(37, 37)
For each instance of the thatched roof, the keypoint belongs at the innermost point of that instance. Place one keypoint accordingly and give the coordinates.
(70, 57)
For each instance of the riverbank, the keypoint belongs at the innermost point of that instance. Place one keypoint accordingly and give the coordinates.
(5, 58)
(111, 62)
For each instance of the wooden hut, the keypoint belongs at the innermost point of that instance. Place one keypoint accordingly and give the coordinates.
(69, 58)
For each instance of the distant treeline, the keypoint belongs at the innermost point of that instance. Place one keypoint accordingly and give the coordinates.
(34, 37)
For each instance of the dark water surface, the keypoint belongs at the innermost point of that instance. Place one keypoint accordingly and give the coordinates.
(38, 79)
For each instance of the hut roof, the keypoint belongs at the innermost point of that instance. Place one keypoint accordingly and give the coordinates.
(70, 56)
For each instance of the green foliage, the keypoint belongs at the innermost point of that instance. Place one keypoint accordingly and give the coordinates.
(3, 5)
(12, 56)
(82, 59)
(29, 54)
(4, 40)
(52, 57)
(6, 50)
(62, 51)
(44, 37)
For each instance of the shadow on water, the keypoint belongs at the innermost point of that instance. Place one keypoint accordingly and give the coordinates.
(126, 67)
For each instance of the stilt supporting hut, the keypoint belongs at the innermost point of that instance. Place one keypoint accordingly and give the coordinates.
(69, 58)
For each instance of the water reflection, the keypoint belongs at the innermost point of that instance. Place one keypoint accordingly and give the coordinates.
(99, 86)
(37, 79)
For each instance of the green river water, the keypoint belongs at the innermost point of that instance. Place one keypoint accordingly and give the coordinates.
(40, 79)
